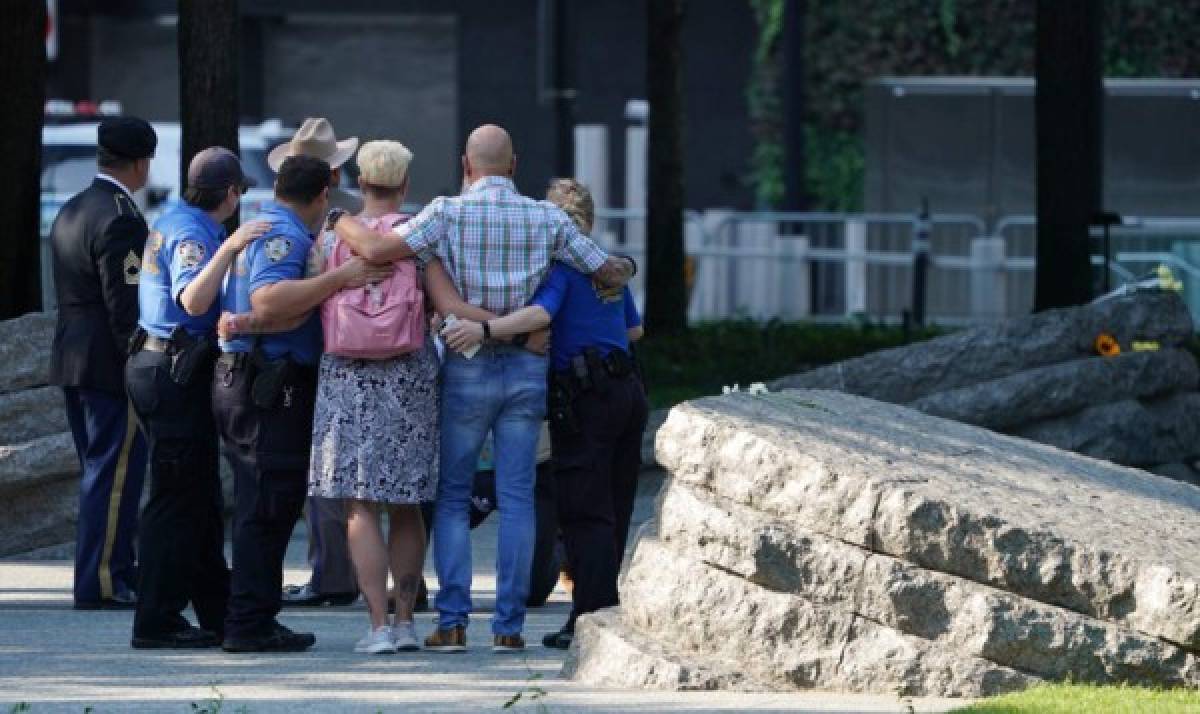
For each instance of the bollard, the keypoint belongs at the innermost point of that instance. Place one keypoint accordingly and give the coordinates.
(920, 246)
(989, 281)
(856, 267)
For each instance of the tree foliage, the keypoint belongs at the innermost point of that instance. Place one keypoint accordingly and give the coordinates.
(850, 42)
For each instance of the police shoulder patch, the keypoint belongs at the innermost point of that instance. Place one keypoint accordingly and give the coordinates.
(191, 253)
(277, 248)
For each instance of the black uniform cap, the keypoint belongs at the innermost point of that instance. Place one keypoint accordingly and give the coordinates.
(128, 137)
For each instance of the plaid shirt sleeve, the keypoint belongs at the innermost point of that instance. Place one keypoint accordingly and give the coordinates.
(425, 230)
(574, 248)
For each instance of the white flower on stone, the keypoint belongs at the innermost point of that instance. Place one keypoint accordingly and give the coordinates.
(758, 388)
(730, 390)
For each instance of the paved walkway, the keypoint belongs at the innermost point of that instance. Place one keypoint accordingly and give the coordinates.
(60, 660)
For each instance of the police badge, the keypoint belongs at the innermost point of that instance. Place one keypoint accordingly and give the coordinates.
(277, 248)
(191, 253)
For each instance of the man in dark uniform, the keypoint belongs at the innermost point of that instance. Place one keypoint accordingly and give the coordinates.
(264, 389)
(97, 242)
(169, 375)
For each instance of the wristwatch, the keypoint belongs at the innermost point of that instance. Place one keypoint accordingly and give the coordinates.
(487, 331)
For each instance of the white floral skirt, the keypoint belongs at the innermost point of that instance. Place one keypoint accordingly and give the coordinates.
(375, 429)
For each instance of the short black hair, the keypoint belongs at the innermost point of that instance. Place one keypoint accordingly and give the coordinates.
(301, 179)
(106, 159)
(206, 199)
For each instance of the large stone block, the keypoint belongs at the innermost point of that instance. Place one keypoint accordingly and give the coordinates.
(47, 458)
(1064, 388)
(1130, 432)
(1114, 543)
(905, 374)
(39, 484)
(956, 614)
(25, 344)
(785, 641)
(607, 653)
(31, 413)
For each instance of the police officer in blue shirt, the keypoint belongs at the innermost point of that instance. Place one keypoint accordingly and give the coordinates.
(597, 412)
(169, 377)
(263, 391)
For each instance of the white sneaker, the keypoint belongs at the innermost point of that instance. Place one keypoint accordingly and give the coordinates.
(376, 641)
(404, 637)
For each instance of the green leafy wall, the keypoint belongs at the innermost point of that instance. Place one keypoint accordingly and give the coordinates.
(848, 42)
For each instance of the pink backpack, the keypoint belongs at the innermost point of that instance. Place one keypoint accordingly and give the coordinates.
(375, 321)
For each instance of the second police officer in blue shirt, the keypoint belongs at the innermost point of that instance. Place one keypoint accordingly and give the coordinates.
(264, 389)
(168, 377)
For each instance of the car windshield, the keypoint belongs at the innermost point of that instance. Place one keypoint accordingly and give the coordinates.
(67, 169)
(254, 164)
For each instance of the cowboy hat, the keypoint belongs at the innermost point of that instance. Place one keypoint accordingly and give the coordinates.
(314, 138)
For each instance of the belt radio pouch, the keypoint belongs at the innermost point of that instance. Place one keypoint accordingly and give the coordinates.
(561, 413)
(581, 373)
(269, 381)
(136, 341)
(189, 356)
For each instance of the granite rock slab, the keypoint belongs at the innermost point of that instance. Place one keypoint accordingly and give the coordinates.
(905, 374)
(1114, 543)
(25, 344)
(958, 615)
(1064, 388)
(1130, 432)
(788, 642)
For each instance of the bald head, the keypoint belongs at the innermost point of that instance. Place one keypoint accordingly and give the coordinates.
(489, 152)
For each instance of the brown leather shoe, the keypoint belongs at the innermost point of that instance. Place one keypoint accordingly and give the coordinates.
(508, 643)
(453, 639)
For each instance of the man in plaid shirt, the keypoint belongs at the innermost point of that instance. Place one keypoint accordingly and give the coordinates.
(497, 246)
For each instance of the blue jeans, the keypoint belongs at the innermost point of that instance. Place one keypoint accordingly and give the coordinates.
(503, 389)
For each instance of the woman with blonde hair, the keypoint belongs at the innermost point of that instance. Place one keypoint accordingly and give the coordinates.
(597, 412)
(375, 436)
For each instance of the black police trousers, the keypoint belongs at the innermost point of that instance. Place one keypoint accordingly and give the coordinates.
(268, 449)
(181, 536)
(596, 471)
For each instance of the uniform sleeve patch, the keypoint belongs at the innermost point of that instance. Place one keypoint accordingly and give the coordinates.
(133, 268)
(191, 253)
(277, 248)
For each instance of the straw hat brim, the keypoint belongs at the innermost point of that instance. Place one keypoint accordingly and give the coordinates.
(345, 150)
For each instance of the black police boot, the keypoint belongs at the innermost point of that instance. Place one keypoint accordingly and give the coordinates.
(279, 639)
(192, 638)
(560, 640)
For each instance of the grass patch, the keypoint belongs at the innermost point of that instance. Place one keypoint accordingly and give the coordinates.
(711, 355)
(1077, 698)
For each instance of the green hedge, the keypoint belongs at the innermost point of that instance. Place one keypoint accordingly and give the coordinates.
(709, 356)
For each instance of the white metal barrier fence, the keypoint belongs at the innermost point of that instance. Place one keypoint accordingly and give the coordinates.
(831, 266)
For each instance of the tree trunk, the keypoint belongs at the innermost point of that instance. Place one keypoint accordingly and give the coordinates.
(208, 81)
(666, 294)
(794, 195)
(23, 56)
(1069, 109)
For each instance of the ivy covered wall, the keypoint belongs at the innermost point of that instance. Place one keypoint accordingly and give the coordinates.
(849, 42)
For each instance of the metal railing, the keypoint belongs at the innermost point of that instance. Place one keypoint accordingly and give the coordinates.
(830, 266)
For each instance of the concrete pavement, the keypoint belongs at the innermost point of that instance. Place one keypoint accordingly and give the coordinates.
(59, 660)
